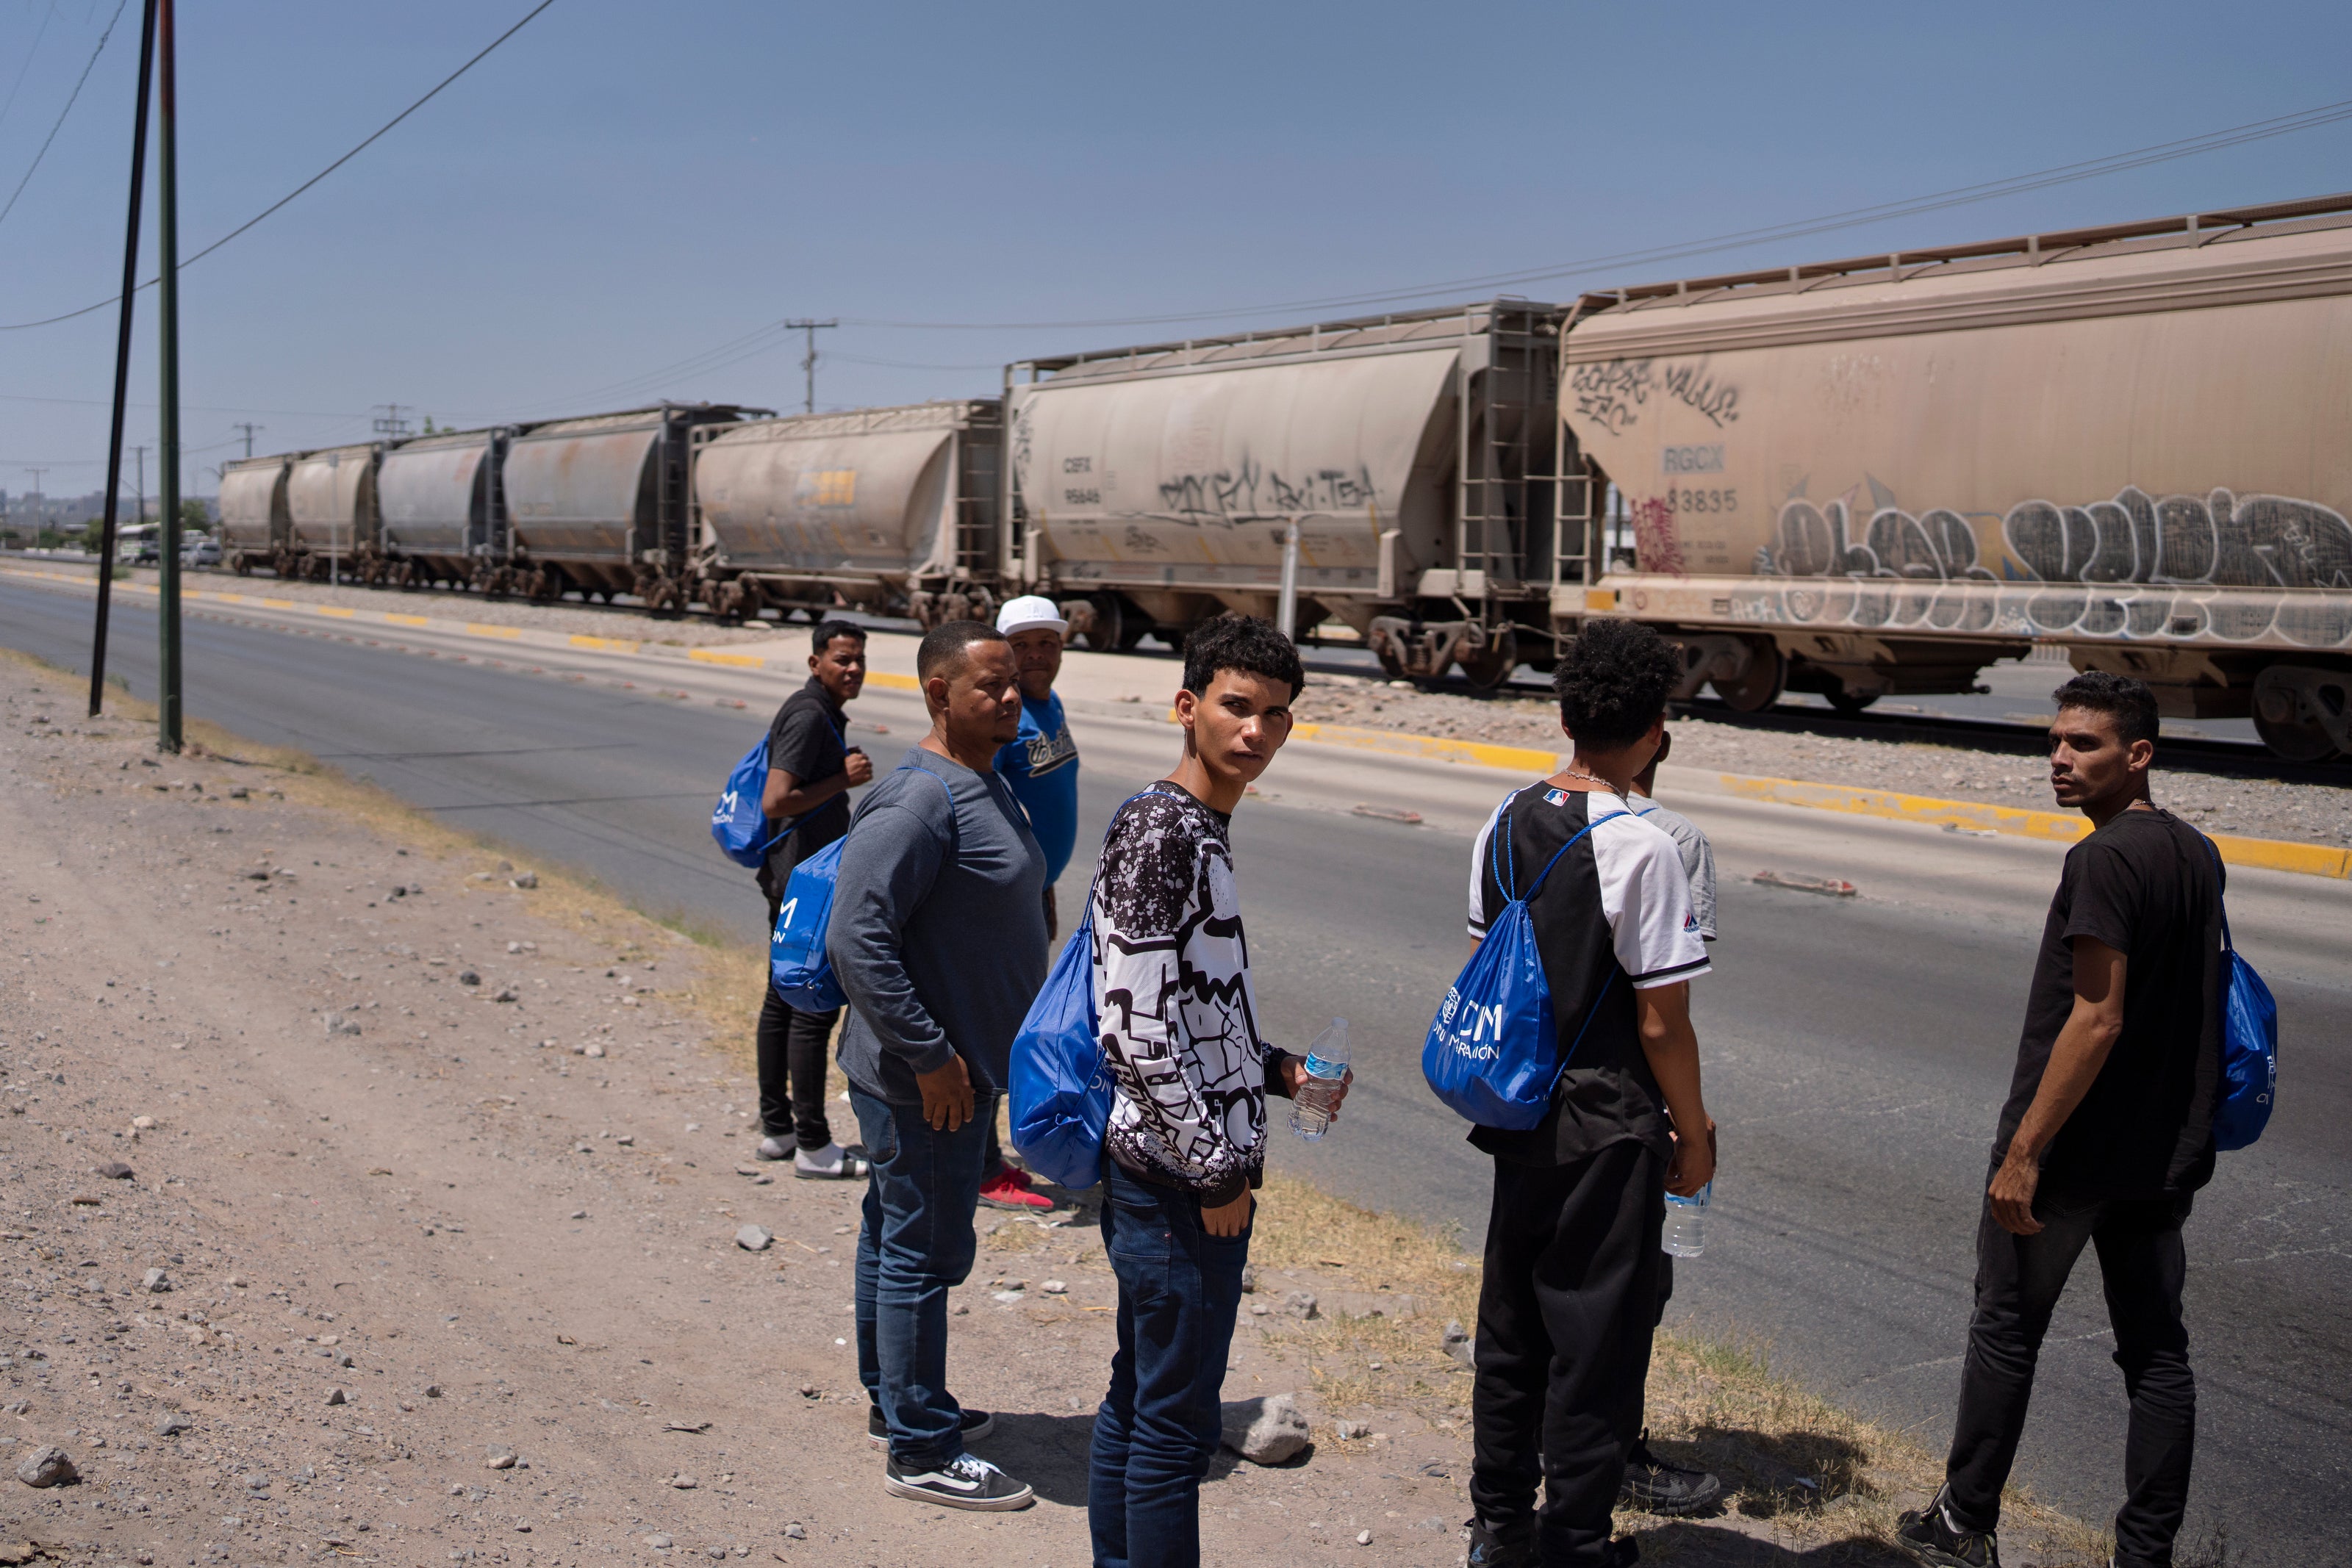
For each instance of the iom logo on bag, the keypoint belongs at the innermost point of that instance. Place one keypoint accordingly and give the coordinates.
(1476, 1026)
(726, 807)
(784, 919)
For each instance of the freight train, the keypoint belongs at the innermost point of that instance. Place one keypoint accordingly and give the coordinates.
(1856, 477)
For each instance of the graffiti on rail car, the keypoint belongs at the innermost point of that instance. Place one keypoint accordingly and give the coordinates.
(1612, 393)
(1249, 491)
(2174, 568)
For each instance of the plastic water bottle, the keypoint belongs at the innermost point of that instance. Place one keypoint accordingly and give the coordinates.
(1685, 1235)
(1327, 1063)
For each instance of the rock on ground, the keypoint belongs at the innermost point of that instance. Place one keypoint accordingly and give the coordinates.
(1266, 1431)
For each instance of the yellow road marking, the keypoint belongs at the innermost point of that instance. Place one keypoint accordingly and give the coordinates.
(896, 682)
(746, 661)
(339, 613)
(408, 619)
(607, 644)
(504, 633)
(2019, 822)
(1514, 759)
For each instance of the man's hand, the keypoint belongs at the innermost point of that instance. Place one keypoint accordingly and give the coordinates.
(2012, 1194)
(1693, 1166)
(858, 768)
(947, 1095)
(1294, 1076)
(1228, 1218)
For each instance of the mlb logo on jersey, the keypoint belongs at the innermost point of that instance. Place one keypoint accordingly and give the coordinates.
(1555, 797)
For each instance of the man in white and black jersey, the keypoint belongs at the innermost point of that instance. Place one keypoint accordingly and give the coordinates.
(1568, 1303)
(1186, 1144)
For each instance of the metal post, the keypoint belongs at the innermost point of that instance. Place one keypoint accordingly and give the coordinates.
(1286, 616)
(167, 317)
(122, 368)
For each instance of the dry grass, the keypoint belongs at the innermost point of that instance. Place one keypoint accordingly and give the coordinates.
(1800, 1472)
(1805, 1475)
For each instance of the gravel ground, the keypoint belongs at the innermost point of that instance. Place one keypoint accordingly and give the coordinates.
(2218, 802)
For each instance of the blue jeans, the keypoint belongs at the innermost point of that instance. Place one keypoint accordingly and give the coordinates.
(1178, 1288)
(915, 1245)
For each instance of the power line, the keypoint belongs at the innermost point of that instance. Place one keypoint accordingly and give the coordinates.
(288, 196)
(2017, 184)
(25, 70)
(70, 100)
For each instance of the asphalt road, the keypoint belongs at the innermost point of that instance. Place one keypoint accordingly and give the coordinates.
(1856, 1052)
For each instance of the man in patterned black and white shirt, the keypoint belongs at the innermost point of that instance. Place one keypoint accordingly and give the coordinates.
(1186, 1144)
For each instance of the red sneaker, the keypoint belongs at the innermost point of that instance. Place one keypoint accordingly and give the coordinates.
(1009, 1189)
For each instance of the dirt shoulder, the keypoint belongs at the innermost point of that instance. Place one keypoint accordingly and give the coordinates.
(445, 1176)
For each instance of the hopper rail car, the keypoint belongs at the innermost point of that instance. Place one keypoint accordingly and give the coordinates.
(1859, 478)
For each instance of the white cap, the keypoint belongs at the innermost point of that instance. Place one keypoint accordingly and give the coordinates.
(1028, 612)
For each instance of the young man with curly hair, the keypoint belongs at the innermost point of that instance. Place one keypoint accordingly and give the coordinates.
(1569, 1299)
(1186, 1144)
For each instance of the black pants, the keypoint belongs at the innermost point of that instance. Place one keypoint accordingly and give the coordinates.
(1565, 1315)
(793, 1047)
(2019, 1279)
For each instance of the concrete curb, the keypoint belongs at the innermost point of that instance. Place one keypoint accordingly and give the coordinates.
(2270, 855)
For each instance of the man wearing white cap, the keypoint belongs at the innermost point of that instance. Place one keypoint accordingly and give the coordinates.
(1041, 767)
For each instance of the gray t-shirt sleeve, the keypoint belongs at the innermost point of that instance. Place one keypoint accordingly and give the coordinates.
(1697, 858)
(888, 867)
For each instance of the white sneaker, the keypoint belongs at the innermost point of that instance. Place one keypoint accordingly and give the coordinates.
(776, 1148)
(831, 1163)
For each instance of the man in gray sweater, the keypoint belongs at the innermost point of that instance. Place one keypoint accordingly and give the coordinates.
(938, 936)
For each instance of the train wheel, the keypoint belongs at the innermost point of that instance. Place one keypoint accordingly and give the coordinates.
(1851, 703)
(1760, 688)
(2286, 717)
(1491, 665)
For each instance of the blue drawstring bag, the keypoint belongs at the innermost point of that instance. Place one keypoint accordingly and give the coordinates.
(1061, 1085)
(1493, 1051)
(736, 823)
(2248, 1046)
(797, 965)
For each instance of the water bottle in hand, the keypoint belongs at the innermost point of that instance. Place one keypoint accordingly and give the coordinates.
(1685, 1235)
(1327, 1063)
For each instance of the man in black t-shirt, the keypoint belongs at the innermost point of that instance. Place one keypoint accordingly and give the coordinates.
(2107, 1131)
(1568, 1300)
(812, 767)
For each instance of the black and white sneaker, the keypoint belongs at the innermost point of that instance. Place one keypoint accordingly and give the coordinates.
(966, 1481)
(1931, 1535)
(1660, 1487)
(977, 1423)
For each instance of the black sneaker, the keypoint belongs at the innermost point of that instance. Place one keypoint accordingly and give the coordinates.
(1516, 1548)
(1507, 1546)
(965, 1481)
(977, 1423)
(1931, 1536)
(1661, 1487)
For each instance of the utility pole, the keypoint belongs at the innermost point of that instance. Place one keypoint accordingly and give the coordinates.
(167, 315)
(388, 425)
(248, 427)
(122, 367)
(809, 330)
(36, 473)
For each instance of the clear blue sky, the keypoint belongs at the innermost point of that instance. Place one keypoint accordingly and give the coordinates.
(622, 188)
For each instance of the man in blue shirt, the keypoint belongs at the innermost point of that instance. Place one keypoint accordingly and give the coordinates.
(1041, 767)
